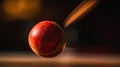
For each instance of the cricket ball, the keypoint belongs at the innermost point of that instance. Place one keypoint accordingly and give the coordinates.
(47, 39)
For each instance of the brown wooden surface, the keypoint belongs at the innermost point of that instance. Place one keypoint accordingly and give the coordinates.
(23, 59)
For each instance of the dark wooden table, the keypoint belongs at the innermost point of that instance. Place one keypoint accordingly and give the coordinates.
(26, 59)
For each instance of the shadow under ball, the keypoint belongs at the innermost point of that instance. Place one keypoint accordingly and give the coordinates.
(47, 39)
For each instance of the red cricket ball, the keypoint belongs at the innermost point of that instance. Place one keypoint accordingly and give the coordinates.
(47, 39)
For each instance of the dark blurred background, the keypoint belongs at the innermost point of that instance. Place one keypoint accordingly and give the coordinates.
(98, 32)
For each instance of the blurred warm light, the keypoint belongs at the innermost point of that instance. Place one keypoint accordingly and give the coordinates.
(80, 11)
(21, 9)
